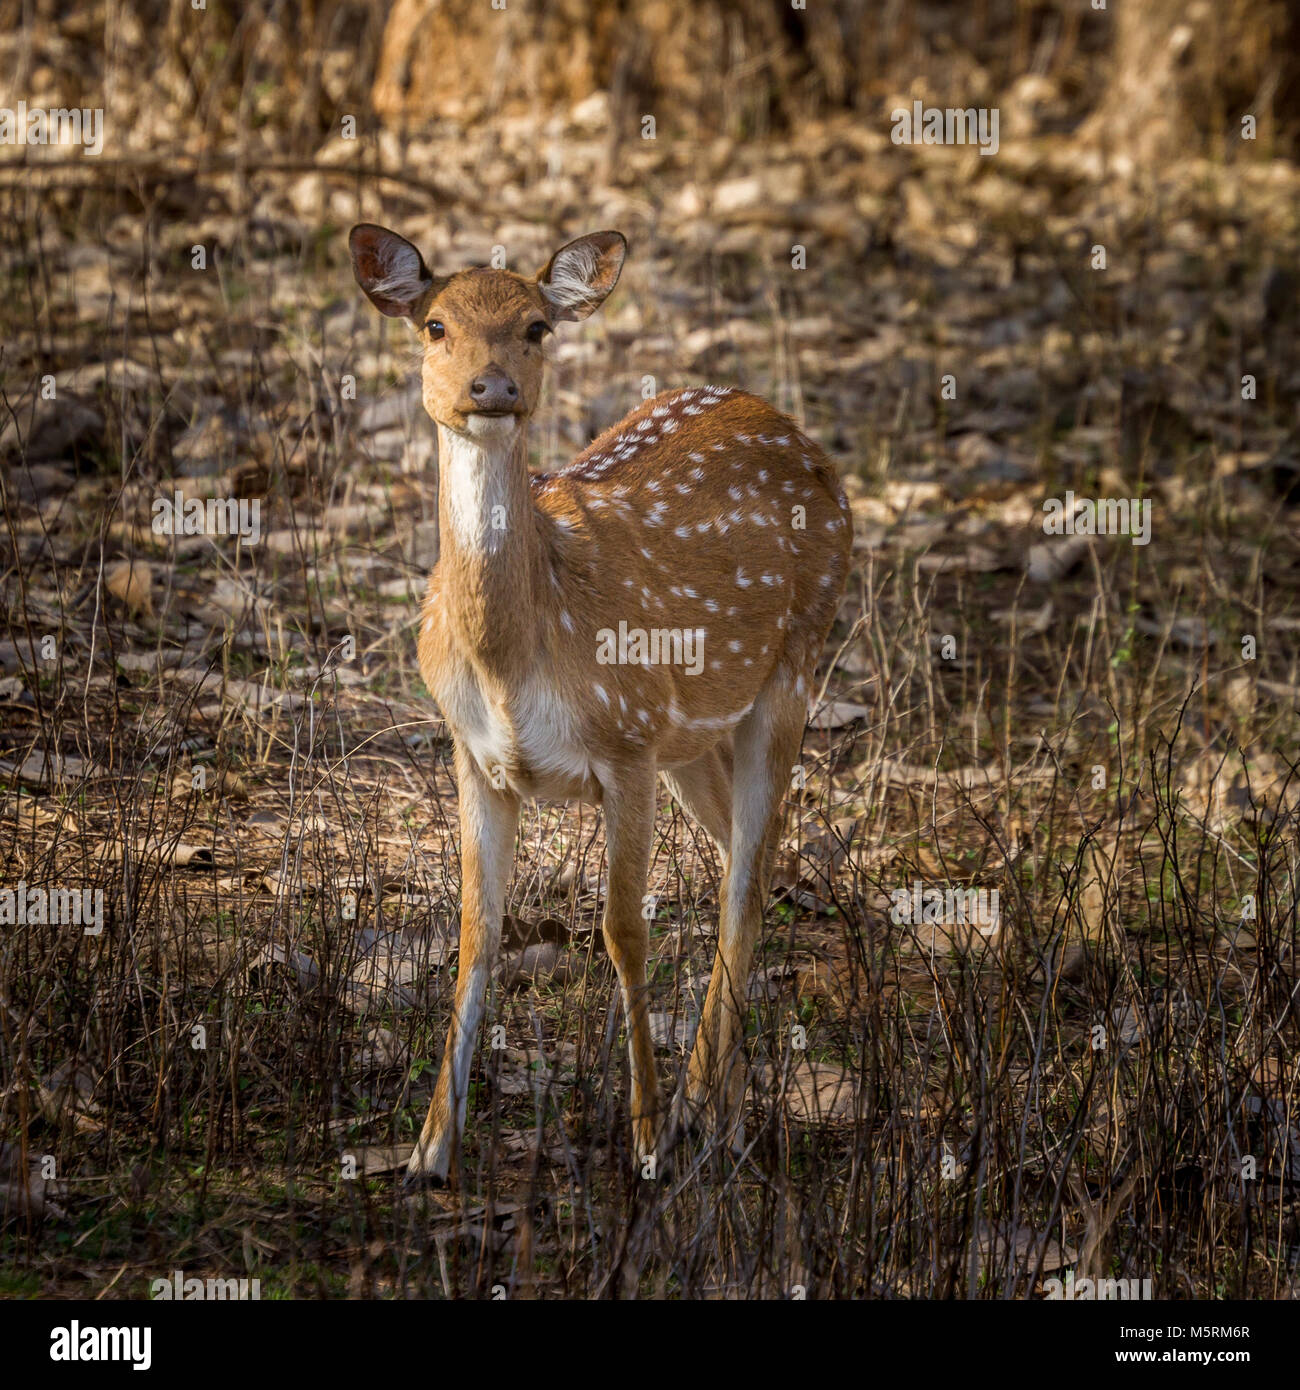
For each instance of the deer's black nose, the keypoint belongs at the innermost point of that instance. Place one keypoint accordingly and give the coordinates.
(494, 391)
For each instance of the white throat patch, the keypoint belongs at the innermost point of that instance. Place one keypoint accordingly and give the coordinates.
(473, 473)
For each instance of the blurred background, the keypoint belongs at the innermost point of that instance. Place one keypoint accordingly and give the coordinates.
(720, 137)
(1167, 78)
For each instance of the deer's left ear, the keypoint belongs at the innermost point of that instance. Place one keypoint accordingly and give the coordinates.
(389, 269)
(580, 275)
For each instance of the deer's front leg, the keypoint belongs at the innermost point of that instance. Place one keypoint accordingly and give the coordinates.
(629, 824)
(488, 821)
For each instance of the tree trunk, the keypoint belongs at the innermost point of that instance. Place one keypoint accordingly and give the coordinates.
(1184, 75)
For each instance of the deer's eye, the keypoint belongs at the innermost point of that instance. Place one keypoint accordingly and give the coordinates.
(535, 332)
(435, 330)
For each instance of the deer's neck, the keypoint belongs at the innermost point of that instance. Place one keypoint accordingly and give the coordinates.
(490, 551)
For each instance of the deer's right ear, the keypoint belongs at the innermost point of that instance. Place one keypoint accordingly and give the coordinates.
(389, 269)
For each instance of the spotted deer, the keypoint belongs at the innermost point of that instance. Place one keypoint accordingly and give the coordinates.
(657, 606)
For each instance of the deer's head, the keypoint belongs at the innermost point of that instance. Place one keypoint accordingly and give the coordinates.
(482, 329)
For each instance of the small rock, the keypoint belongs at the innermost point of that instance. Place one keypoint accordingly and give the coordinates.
(43, 429)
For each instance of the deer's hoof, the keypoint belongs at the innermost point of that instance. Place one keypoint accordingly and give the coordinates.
(687, 1120)
(417, 1180)
(423, 1171)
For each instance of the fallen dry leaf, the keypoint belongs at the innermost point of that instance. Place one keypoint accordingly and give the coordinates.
(379, 1158)
(816, 1092)
(1049, 561)
(129, 581)
(835, 714)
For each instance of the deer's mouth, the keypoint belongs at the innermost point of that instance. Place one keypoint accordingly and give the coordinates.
(491, 423)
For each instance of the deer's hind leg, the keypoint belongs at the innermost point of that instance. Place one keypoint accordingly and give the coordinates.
(704, 788)
(766, 746)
